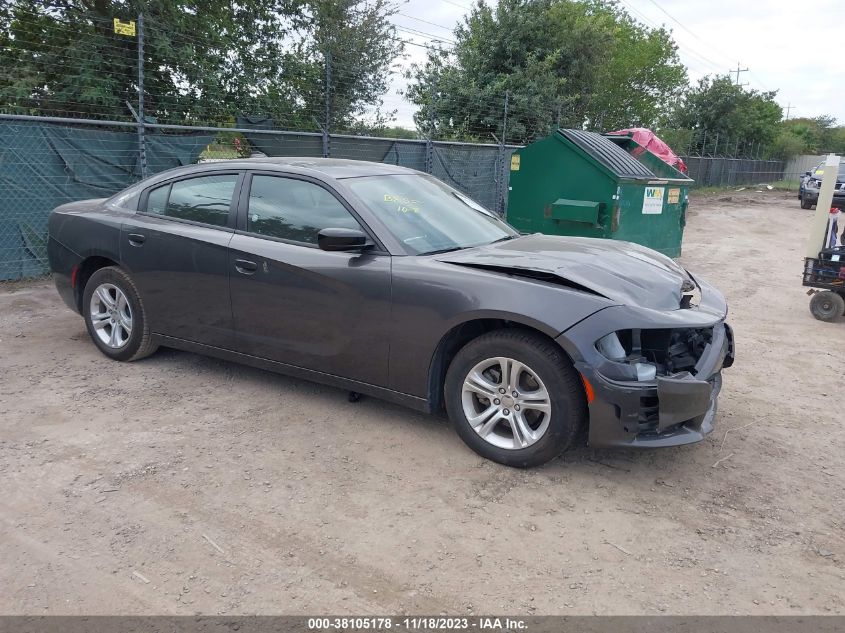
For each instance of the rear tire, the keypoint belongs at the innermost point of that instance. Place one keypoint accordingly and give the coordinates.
(827, 306)
(547, 412)
(114, 315)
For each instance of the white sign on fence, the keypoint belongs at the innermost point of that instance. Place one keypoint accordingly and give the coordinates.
(653, 200)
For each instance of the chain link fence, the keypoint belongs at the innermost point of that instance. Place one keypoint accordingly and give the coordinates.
(70, 142)
(48, 161)
(732, 172)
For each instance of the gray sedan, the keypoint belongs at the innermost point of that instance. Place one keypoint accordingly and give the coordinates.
(385, 281)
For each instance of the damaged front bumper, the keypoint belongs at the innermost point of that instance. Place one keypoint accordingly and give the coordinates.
(673, 409)
(678, 409)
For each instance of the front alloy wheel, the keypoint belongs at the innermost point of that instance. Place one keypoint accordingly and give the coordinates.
(514, 397)
(506, 403)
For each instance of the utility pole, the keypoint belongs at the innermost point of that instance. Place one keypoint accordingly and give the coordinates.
(789, 107)
(737, 71)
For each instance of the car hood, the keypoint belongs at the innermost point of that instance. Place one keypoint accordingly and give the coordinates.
(620, 271)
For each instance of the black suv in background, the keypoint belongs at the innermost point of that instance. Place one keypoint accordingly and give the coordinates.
(812, 182)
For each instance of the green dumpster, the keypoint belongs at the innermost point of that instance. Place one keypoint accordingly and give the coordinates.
(586, 184)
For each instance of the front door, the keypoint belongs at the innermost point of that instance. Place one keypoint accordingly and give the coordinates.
(297, 304)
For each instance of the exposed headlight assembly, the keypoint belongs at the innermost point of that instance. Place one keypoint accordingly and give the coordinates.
(626, 366)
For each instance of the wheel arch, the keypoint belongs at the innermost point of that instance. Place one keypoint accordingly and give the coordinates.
(86, 268)
(462, 333)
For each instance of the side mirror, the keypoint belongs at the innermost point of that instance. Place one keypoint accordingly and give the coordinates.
(807, 173)
(342, 240)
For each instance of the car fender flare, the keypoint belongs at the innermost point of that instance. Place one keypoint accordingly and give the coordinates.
(444, 350)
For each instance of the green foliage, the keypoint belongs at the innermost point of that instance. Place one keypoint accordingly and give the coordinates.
(788, 144)
(719, 106)
(388, 131)
(816, 135)
(561, 62)
(837, 140)
(203, 63)
(678, 139)
(361, 44)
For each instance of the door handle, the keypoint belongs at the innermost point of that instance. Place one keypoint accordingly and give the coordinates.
(245, 267)
(136, 239)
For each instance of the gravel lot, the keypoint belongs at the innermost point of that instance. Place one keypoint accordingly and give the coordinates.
(181, 484)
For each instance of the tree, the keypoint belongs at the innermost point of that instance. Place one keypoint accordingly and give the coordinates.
(359, 44)
(717, 105)
(202, 65)
(816, 134)
(66, 59)
(559, 61)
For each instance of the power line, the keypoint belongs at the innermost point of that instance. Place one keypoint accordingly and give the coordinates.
(709, 63)
(683, 26)
(757, 79)
(432, 37)
(411, 17)
(466, 8)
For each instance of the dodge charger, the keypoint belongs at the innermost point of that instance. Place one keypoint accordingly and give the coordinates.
(385, 281)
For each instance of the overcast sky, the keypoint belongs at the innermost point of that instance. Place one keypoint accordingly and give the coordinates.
(783, 43)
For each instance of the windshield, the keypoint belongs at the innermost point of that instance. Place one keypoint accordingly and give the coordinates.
(818, 172)
(427, 215)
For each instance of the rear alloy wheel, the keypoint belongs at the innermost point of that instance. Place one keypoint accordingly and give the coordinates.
(114, 315)
(515, 398)
(111, 316)
(827, 306)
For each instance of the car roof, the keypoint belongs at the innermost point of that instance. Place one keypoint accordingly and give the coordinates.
(332, 167)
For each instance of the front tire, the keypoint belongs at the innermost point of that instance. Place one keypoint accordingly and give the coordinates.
(806, 204)
(114, 315)
(515, 398)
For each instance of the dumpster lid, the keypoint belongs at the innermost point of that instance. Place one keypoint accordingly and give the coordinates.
(619, 162)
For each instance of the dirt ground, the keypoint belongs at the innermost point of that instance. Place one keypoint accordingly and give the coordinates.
(181, 484)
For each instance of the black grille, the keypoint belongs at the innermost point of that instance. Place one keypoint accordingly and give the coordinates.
(686, 347)
(649, 415)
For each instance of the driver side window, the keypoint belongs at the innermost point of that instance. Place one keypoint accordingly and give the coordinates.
(292, 209)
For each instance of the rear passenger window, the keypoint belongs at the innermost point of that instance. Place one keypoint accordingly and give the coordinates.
(157, 200)
(294, 210)
(204, 199)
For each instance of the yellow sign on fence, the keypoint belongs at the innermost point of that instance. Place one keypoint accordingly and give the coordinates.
(515, 162)
(124, 28)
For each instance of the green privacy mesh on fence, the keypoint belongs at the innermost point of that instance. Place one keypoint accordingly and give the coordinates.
(43, 165)
(475, 169)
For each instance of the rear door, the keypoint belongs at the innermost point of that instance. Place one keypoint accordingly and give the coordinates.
(176, 249)
(295, 303)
